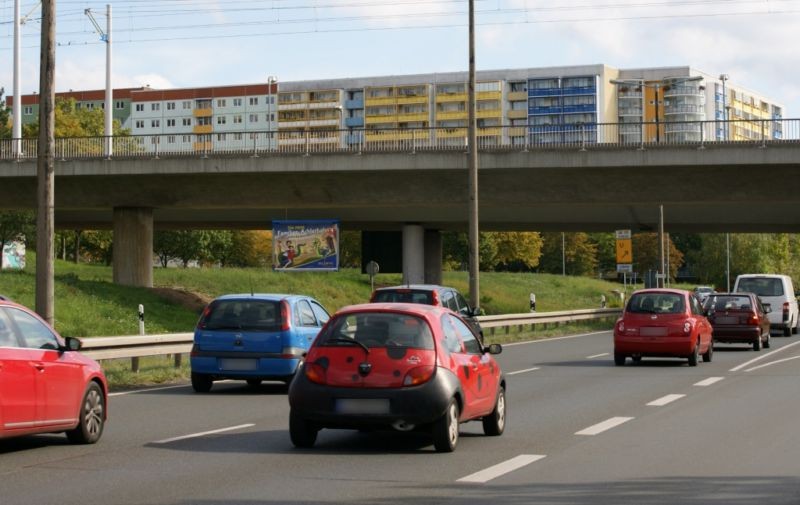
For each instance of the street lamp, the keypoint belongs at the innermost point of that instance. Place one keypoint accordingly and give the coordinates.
(723, 78)
(271, 81)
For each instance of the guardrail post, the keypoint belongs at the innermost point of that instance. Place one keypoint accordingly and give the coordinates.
(178, 360)
(135, 361)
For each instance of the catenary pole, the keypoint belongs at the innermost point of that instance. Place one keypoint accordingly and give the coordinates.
(474, 258)
(16, 125)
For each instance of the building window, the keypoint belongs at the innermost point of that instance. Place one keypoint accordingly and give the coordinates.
(155, 123)
(221, 102)
(253, 100)
(237, 136)
(253, 118)
(221, 137)
(237, 119)
(139, 107)
(171, 139)
(187, 121)
(170, 105)
(119, 104)
(221, 120)
(78, 105)
(187, 105)
(237, 102)
(204, 121)
(90, 106)
(170, 122)
(187, 138)
(139, 124)
(28, 111)
(155, 106)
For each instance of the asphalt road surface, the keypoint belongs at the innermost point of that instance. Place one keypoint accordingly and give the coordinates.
(580, 430)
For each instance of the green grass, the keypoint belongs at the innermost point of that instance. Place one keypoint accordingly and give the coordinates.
(88, 303)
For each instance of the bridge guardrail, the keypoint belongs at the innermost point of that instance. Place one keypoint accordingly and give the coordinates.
(136, 346)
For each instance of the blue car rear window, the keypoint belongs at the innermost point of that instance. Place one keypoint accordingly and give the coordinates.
(256, 315)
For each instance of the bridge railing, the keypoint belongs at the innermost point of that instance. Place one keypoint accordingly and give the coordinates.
(582, 136)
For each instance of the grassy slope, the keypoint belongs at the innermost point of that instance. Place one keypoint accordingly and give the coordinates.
(87, 303)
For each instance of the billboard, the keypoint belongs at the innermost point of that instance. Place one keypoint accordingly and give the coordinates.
(305, 245)
(13, 255)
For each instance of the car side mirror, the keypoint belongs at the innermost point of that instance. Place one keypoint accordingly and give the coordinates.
(767, 308)
(73, 344)
(493, 349)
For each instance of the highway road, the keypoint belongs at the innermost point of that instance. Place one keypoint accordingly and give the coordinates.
(580, 430)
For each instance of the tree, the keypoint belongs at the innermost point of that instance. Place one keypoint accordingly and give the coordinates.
(14, 225)
(455, 251)
(5, 117)
(606, 247)
(183, 245)
(579, 255)
(646, 254)
(517, 251)
(251, 248)
(99, 246)
(350, 249)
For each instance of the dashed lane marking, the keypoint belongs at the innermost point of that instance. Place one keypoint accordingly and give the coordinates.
(709, 381)
(605, 425)
(503, 468)
(203, 433)
(664, 400)
(523, 371)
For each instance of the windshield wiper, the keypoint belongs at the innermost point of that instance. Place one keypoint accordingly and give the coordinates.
(349, 341)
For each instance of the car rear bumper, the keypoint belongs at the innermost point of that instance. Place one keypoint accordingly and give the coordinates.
(246, 368)
(736, 334)
(415, 405)
(646, 346)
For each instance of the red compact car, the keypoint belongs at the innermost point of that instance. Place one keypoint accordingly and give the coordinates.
(45, 386)
(401, 366)
(663, 322)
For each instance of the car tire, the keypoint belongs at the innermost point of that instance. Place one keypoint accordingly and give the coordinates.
(445, 429)
(757, 344)
(709, 354)
(495, 423)
(787, 332)
(201, 383)
(619, 359)
(91, 418)
(795, 326)
(253, 383)
(767, 342)
(694, 357)
(302, 432)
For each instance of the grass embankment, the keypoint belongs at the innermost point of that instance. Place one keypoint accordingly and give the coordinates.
(88, 304)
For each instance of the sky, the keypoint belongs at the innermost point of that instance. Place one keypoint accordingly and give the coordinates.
(196, 43)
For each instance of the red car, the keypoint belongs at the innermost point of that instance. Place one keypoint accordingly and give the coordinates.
(663, 322)
(401, 366)
(739, 318)
(45, 386)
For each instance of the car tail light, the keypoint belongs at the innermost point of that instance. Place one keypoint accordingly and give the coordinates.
(285, 316)
(418, 375)
(315, 373)
(687, 327)
(203, 316)
(194, 351)
(292, 352)
(753, 319)
(785, 307)
(435, 299)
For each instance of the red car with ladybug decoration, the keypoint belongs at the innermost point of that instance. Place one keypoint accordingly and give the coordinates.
(400, 366)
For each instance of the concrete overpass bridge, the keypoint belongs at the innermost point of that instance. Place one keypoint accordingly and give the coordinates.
(704, 187)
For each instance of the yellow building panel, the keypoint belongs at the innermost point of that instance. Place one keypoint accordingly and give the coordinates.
(202, 112)
(460, 114)
(412, 99)
(517, 132)
(380, 119)
(448, 133)
(518, 96)
(416, 116)
(489, 132)
(384, 100)
(199, 129)
(451, 97)
(489, 95)
(202, 146)
(489, 113)
(383, 135)
(517, 114)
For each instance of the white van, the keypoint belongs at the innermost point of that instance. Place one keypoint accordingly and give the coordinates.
(778, 292)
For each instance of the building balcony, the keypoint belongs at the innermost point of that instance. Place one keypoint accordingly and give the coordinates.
(316, 123)
(458, 114)
(517, 114)
(571, 109)
(449, 133)
(517, 96)
(451, 97)
(200, 129)
(354, 104)
(292, 124)
(202, 112)
(293, 106)
(354, 122)
(490, 131)
(389, 119)
(380, 100)
(579, 90)
(202, 146)
(413, 116)
(545, 110)
(403, 99)
(392, 134)
(489, 113)
(324, 105)
(516, 132)
(489, 95)
(544, 92)
(630, 113)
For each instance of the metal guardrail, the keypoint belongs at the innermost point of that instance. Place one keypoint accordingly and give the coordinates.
(582, 136)
(136, 346)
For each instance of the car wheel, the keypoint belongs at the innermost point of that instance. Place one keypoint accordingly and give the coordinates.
(619, 359)
(201, 383)
(787, 332)
(694, 357)
(91, 417)
(757, 344)
(254, 382)
(709, 354)
(794, 326)
(302, 432)
(495, 423)
(767, 342)
(445, 429)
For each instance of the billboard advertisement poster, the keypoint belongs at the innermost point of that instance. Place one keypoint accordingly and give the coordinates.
(14, 255)
(305, 245)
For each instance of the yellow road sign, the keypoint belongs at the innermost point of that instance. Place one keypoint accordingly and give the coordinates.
(624, 251)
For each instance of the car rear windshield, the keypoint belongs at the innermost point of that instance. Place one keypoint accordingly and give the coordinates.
(762, 286)
(378, 329)
(404, 296)
(729, 303)
(256, 315)
(656, 303)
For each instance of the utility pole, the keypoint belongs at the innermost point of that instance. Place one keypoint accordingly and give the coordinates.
(108, 131)
(45, 164)
(16, 125)
(563, 255)
(661, 246)
(474, 257)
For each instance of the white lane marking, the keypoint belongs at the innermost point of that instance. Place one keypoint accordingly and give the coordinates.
(501, 468)
(557, 338)
(664, 400)
(123, 393)
(523, 371)
(202, 434)
(709, 381)
(763, 356)
(772, 363)
(605, 425)
(598, 355)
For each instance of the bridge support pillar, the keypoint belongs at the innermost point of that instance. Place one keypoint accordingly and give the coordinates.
(413, 254)
(133, 246)
(433, 257)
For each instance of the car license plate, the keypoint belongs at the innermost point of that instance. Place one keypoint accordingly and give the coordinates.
(362, 406)
(653, 331)
(238, 364)
(726, 320)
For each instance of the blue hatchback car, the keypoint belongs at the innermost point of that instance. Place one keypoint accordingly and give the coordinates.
(254, 337)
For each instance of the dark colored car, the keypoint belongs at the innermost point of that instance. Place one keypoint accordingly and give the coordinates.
(739, 318)
(663, 323)
(397, 366)
(253, 337)
(45, 385)
(430, 294)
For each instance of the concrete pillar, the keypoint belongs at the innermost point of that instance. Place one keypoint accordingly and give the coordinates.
(433, 257)
(133, 246)
(413, 254)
